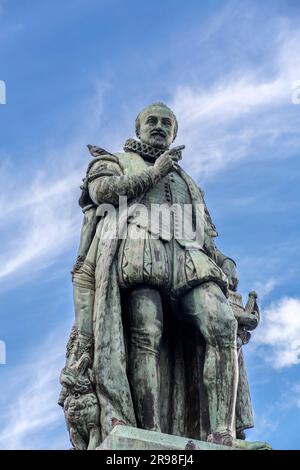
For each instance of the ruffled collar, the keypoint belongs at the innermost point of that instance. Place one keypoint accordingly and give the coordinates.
(144, 150)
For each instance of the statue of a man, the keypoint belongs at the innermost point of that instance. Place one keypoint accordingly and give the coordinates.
(154, 343)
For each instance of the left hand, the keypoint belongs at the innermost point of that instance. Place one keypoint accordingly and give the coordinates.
(230, 270)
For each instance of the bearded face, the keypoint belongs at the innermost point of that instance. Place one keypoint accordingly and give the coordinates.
(157, 127)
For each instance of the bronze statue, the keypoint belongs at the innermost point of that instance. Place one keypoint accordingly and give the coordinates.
(157, 312)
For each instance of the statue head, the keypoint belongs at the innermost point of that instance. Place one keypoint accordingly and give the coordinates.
(156, 125)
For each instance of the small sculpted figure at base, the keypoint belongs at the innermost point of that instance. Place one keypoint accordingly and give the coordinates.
(159, 325)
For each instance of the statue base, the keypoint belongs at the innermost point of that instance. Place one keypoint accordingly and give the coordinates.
(129, 438)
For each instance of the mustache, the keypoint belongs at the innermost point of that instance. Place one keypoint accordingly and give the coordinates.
(158, 132)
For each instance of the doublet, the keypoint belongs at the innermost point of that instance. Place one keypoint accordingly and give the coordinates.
(152, 254)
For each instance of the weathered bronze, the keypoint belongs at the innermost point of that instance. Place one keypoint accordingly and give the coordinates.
(159, 326)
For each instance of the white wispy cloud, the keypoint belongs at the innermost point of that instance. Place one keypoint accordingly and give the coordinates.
(41, 226)
(39, 214)
(279, 333)
(221, 123)
(263, 289)
(294, 397)
(273, 417)
(28, 419)
(266, 425)
(8, 29)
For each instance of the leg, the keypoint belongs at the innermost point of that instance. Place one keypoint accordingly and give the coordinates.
(84, 290)
(83, 277)
(207, 307)
(146, 321)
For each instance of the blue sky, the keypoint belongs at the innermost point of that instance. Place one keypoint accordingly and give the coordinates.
(77, 72)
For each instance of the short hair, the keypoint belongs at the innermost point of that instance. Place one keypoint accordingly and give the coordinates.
(158, 104)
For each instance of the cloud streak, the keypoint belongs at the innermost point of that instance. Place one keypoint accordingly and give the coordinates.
(221, 123)
(44, 225)
(39, 215)
(279, 333)
(33, 413)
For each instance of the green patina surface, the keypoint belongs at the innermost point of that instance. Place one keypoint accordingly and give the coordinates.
(128, 438)
(159, 324)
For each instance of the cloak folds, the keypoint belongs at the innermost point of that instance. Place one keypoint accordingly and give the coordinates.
(183, 400)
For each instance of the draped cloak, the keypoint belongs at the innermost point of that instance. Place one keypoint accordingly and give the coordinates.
(183, 399)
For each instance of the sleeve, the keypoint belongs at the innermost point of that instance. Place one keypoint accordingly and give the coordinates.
(106, 181)
(210, 233)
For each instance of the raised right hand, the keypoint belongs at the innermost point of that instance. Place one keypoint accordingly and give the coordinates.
(166, 163)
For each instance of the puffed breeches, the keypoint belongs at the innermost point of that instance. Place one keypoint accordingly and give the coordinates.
(165, 265)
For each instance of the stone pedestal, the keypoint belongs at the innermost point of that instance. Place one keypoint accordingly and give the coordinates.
(128, 438)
